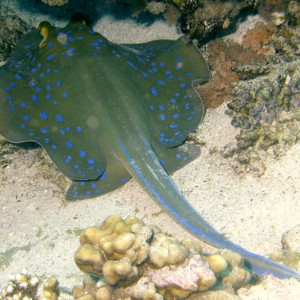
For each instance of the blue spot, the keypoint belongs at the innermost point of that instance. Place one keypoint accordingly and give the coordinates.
(82, 153)
(189, 118)
(153, 63)
(62, 131)
(160, 82)
(131, 64)
(35, 98)
(189, 74)
(39, 65)
(78, 129)
(13, 84)
(162, 107)
(76, 166)
(182, 85)
(168, 72)
(162, 117)
(50, 44)
(7, 88)
(154, 91)
(59, 118)
(92, 161)
(65, 94)
(37, 89)
(44, 130)
(175, 116)
(162, 162)
(50, 57)
(68, 158)
(44, 115)
(145, 74)
(22, 126)
(69, 144)
(32, 83)
(173, 100)
(58, 83)
(55, 102)
(68, 129)
(33, 70)
(123, 180)
(179, 78)
(48, 87)
(177, 59)
(48, 96)
(173, 125)
(177, 133)
(26, 118)
(54, 147)
(178, 67)
(23, 104)
(151, 107)
(48, 70)
(79, 38)
(42, 75)
(177, 94)
(162, 64)
(178, 155)
(95, 44)
(93, 185)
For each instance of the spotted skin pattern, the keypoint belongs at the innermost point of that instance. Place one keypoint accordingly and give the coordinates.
(106, 112)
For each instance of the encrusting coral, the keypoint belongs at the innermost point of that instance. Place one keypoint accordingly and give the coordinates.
(131, 257)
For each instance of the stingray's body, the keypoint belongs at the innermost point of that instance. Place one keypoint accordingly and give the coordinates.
(106, 112)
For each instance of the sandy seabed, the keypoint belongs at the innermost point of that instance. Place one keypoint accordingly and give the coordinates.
(40, 233)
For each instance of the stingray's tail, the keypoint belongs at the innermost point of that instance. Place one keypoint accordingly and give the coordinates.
(145, 167)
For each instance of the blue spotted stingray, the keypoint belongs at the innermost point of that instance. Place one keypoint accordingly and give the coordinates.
(107, 112)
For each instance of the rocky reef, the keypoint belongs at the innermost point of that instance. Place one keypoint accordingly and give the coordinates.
(256, 73)
(266, 101)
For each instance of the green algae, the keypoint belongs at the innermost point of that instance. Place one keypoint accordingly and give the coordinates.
(7, 257)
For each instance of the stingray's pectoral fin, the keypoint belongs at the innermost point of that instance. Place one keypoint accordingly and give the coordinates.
(112, 178)
(173, 159)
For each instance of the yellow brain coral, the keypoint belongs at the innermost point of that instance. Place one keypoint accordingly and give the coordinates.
(135, 259)
(114, 248)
